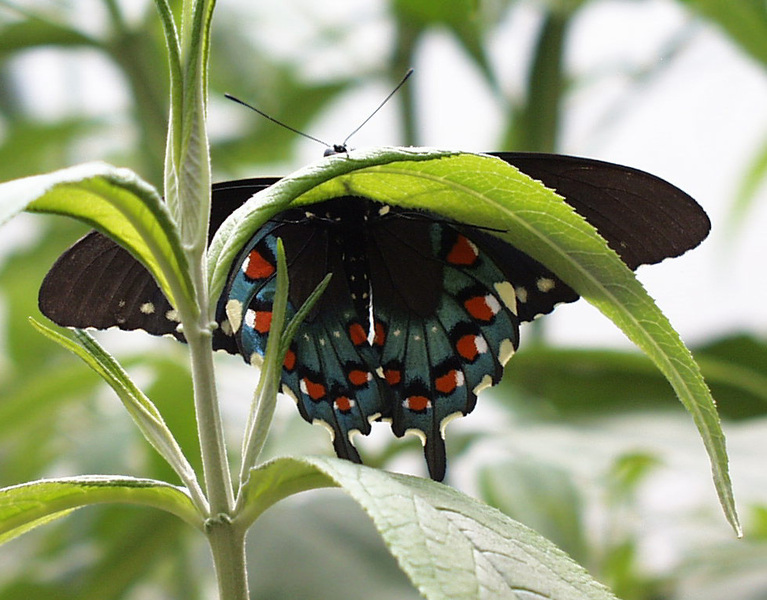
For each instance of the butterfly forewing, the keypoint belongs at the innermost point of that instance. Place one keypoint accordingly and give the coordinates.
(643, 217)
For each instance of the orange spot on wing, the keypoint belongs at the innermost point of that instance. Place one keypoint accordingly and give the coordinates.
(258, 267)
(358, 377)
(448, 382)
(379, 331)
(467, 347)
(263, 322)
(316, 391)
(417, 403)
(290, 360)
(343, 404)
(479, 308)
(463, 252)
(393, 376)
(357, 334)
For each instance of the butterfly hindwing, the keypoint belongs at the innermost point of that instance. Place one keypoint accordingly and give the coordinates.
(330, 369)
(438, 359)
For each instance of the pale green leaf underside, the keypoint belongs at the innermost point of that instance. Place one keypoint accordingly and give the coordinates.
(449, 545)
(118, 203)
(25, 506)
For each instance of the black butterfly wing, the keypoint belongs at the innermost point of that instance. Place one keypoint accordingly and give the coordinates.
(97, 283)
(643, 218)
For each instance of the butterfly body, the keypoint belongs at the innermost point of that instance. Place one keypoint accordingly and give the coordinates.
(421, 312)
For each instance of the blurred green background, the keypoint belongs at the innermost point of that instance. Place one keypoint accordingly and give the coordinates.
(583, 441)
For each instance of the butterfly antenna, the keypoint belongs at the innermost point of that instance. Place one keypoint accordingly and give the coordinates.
(278, 122)
(380, 106)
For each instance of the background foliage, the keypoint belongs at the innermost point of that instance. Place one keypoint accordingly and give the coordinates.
(626, 492)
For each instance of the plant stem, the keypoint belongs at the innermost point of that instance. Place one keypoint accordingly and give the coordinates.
(227, 544)
(218, 479)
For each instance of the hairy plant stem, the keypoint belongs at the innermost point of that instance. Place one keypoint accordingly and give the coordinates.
(227, 544)
(218, 478)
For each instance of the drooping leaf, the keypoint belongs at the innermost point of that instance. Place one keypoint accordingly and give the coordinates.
(489, 193)
(144, 413)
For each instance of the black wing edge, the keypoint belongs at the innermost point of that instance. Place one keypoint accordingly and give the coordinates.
(644, 218)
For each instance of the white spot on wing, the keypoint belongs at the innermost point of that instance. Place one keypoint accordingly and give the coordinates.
(506, 293)
(505, 351)
(486, 382)
(545, 284)
(444, 423)
(234, 313)
(147, 308)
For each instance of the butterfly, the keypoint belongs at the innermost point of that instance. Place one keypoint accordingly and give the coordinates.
(422, 312)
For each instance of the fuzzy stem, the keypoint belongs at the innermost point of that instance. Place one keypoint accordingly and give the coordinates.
(218, 479)
(227, 544)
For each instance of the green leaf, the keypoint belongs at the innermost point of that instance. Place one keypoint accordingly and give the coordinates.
(487, 192)
(265, 397)
(449, 545)
(187, 168)
(142, 411)
(35, 32)
(118, 203)
(25, 506)
(744, 21)
(747, 194)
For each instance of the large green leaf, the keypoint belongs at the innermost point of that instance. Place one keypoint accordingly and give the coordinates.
(28, 505)
(489, 193)
(449, 545)
(118, 203)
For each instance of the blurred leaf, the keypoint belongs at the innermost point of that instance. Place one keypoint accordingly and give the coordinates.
(744, 21)
(573, 383)
(537, 124)
(35, 32)
(31, 147)
(754, 177)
